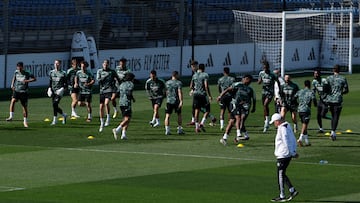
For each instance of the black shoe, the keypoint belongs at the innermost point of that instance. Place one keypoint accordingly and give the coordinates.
(293, 195)
(279, 199)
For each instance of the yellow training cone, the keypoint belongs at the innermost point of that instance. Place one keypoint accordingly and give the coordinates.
(47, 120)
(90, 137)
(348, 131)
(240, 145)
(338, 133)
(327, 134)
(73, 118)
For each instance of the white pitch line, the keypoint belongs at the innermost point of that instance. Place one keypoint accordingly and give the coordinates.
(195, 156)
(10, 189)
(180, 155)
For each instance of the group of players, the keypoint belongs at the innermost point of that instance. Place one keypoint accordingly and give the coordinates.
(289, 97)
(235, 97)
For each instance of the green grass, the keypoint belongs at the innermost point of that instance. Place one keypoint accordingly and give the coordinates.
(59, 164)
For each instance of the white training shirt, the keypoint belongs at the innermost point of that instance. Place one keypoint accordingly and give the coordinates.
(285, 141)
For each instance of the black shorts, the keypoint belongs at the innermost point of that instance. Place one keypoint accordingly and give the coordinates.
(74, 90)
(304, 117)
(200, 101)
(22, 96)
(104, 96)
(267, 95)
(85, 98)
(126, 111)
(157, 101)
(225, 102)
(234, 111)
(290, 107)
(172, 107)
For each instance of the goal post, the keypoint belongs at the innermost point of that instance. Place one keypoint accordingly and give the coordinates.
(298, 40)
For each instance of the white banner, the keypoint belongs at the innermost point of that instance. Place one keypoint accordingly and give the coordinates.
(239, 57)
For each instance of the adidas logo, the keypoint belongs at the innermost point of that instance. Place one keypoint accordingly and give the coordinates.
(209, 61)
(244, 59)
(295, 56)
(311, 56)
(227, 61)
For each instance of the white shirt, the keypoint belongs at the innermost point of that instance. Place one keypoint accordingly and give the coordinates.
(285, 141)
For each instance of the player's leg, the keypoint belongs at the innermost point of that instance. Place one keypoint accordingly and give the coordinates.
(11, 109)
(74, 100)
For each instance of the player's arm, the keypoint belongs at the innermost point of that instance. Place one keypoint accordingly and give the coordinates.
(207, 88)
(346, 88)
(32, 78)
(12, 86)
(180, 95)
(224, 92)
(259, 79)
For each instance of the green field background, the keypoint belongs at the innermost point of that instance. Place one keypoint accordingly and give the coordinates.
(59, 164)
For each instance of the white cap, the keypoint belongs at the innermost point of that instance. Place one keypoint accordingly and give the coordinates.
(275, 117)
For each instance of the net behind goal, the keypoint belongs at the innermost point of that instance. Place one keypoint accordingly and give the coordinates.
(303, 39)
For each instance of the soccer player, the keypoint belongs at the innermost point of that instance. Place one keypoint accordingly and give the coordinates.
(305, 97)
(121, 71)
(84, 80)
(58, 83)
(126, 97)
(248, 97)
(337, 86)
(194, 69)
(20, 88)
(74, 91)
(239, 108)
(174, 102)
(285, 150)
(107, 78)
(223, 83)
(280, 81)
(201, 96)
(318, 85)
(155, 89)
(268, 80)
(289, 102)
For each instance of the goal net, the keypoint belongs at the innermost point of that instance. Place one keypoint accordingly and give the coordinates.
(298, 40)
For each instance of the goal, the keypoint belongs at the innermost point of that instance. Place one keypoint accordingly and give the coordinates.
(298, 40)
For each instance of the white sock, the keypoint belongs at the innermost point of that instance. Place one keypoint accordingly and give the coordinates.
(267, 119)
(54, 119)
(118, 128)
(225, 136)
(89, 116)
(123, 134)
(102, 121)
(11, 114)
(301, 137)
(167, 128)
(221, 123)
(192, 119)
(73, 110)
(25, 119)
(306, 139)
(203, 120)
(157, 120)
(238, 133)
